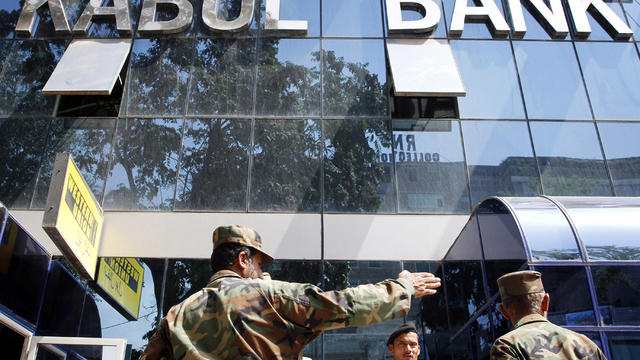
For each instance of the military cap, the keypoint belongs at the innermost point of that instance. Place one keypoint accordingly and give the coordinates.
(520, 283)
(240, 234)
(402, 329)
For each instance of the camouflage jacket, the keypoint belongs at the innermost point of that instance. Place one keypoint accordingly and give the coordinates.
(536, 338)
(237, 318)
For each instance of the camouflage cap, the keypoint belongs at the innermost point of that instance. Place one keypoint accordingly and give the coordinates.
(240, 234)
(520, 283)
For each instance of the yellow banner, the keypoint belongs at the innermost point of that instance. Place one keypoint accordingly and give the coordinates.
(121, 278)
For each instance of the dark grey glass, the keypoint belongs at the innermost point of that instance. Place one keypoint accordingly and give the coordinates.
(26, 68)
(288, 77)
(64, 295)
(355, 179)
(185, 277)
(223, 77)
(570, 159)
(500, 159)
(465, 290)
(598, 32)
(620, 142)
(467, 245)
(473, 29)
(612, 74)
(9, 13)
(303, 10)
(489, 76)
(158, 74)
(430, 166)
(567, 98)
(89, 143)
(214, 165)
(354, 78)
(618, 293)
(357, 18)
(287, 167)
(623, 345)
(569, 292)
(22, 142)
(144, 165)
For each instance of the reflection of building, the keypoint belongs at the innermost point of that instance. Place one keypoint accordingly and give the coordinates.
(311, 139)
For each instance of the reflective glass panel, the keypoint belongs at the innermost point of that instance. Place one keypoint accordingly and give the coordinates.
(473, 29)
(144, 165)
(228, 10)
(624, 345)
(489, 75)
(43, 25)
(411, 15)
(570, 302)
(158, 74)
(64, 296)
(105, 27)
(465, 290)
(287, 166)
(214, 151)
(612, 74)
(355, 179)
(298, 10)
(354, 78)
(11, 342)
(566, 99)
(222, 77)
(620, 142)
(89, 143)
(9, 13)
(288, 77)
(358, 18)
(570, 159)
(185, 277)
(430, 166)
(618, 293)
(536, 29)
(632, 12)
(599, 29)
(467, 245)
(500, 159)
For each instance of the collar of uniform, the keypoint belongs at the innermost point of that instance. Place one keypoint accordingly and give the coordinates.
(221, 274)
(530, 318)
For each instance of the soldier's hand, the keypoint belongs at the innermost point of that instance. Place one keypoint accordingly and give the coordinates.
(424, 283)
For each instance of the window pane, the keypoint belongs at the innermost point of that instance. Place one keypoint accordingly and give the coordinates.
(300, 10)
(488, 73)
(612, 74)
(500, 159)
(598, 32)
(618, 293)
(632, 10)
(158, 75)
(9, 13)
(185, 277)
(355, 180)
(286, 166)
(566, 99)
(465, 290)
(570, 159)
(569, 292)
(361, 18)
(430, 166)
(289, 77)
(480, 29)
(222, 77)
(411, 14)
(355, 78)
(536, 30)
(620, 142)
(63, 297)
(144, 165)
(214, 151)
(624, 345)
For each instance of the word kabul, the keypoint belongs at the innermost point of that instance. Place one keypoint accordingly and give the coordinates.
(550, 17)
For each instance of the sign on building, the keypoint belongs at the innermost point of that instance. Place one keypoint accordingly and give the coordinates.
(119, 281)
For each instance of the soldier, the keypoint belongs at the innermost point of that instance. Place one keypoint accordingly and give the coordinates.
(242, 315)
(525, 303)
(403, 342)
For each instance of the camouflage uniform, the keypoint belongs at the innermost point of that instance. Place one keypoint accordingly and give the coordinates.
(536, 338)
(237, 318)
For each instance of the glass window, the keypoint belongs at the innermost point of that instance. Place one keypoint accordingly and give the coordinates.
(287, 166)
(624, 345)
(473, 29)
(222, 77)
(9, 14)
(467, 245)
(411, 15)
(570, 302)
(566, 98)
(288, 77)
(465, 290)
(214, 151)
(64, 296)
(618, 293)
(106, 27)
(598, 31)
(536, 29)
(354, 78)
(300, 10)
(620, 142)
(632, 10)
(612, 74)
(570, 159)
(358, 18)
(430, 166)
(157, 79)
(144, 165)
(500, 159)
(355, 177)
(488, 73)
(185, 277)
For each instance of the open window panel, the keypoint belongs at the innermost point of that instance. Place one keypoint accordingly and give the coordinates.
(66, 348)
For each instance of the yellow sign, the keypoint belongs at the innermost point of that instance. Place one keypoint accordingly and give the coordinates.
(121, 280)
(73, 218)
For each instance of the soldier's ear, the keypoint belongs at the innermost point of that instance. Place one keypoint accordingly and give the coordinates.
(544, 305)
(504, 312)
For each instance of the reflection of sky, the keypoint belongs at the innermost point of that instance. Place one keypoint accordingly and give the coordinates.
(620, 140)
(351, 18)
(366, 51)
(573, 140)
(10, 5)
(298, 51)
(308, 10)
(491, 142)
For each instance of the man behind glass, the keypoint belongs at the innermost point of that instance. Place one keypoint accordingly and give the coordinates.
(525, 303)
(403, 342)
(241, 314)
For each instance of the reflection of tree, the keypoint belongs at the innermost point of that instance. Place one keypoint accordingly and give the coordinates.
(613, 252)
(8, 19)
(556, 254)
(465, 290)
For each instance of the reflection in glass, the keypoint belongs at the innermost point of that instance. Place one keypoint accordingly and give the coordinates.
(465, 290)
(618, 292)
(430, 166)
(570, 302)
(185, 277)
(566, 98)
(473, 29)
(287, 166)
(9, 13)
(222, 77)
(570, 159)
(214, 151)
(500, 159)
(467, 246)
(632, 12)
(624, 345)
(63, 297)
(488, 70)
(358, 18)
(355, 178)
(600, 29)
(305, 10)
(144, 165)
(620, 143)
(536, 29)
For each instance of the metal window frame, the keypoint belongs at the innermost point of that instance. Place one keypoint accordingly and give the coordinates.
(49, 341)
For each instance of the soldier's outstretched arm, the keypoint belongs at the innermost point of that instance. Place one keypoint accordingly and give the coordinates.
(424, 283)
